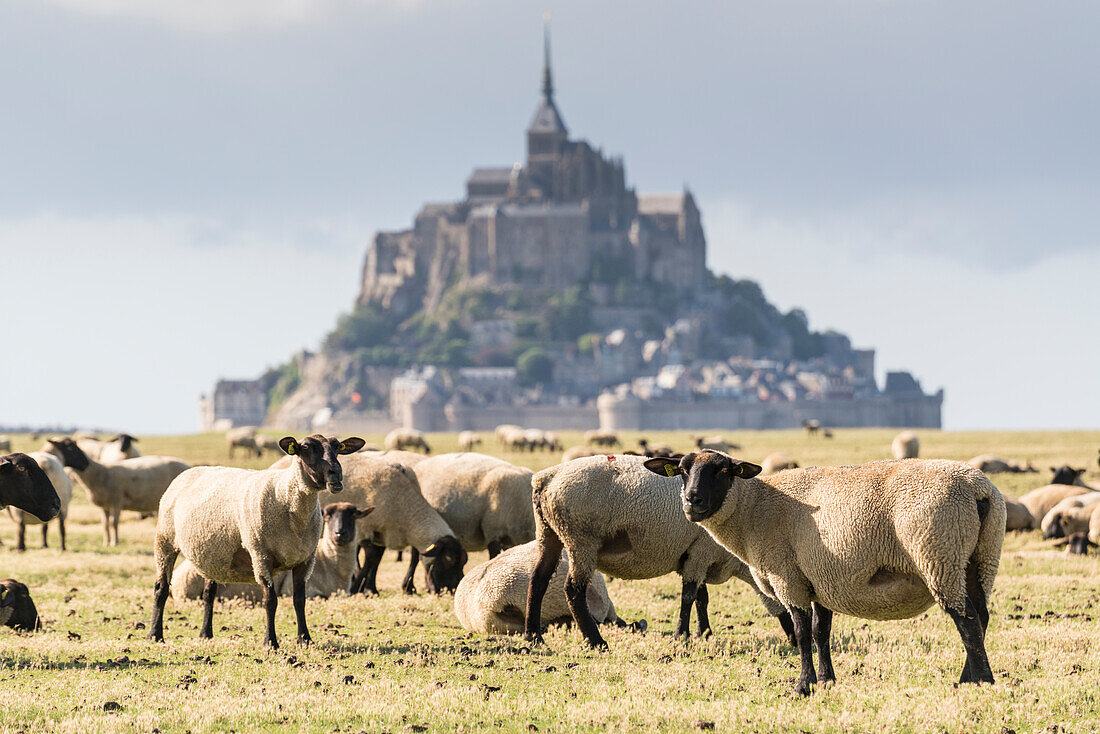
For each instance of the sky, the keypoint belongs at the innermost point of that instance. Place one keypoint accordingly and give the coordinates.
(188, 187)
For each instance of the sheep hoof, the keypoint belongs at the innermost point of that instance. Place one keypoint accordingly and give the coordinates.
(534, 638)
(704, 634)
(410, 590)
(271, 642)
(803, 688)
(153, 637)
(826, 683)
(304, 639)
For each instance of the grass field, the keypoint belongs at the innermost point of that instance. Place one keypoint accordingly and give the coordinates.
(399, 663)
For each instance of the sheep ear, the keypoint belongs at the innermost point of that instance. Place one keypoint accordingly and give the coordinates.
(288, 445)
(363, 512)
(663, 466)
(6, 467)
(350, 445)
(431, 551)
(746, 470)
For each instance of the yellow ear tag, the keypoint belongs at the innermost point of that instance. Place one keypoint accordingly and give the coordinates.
(291, 449)
(343, 446)
(430, 548)
(670, 470)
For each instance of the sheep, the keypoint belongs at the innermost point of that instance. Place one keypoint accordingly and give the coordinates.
(553, 443)
(467, 440)
(332, 567)
(611, 515)
(17, 609)
(659, 449)
(512, 437)
(990, 464)
(878, 541)
(1066, 474)
(715, 443)
(401, 517)
(23, 484)
(1040, 501)
(133, 484)
(777, 462)
(238, 525)
(1017, 516)
(1077, 544)
(579, 452)
(906, 445)
(242, 437)
(1069, 516)
(602, 437)
(404, 438)
(62, 484)
(811, 426)
(491, 598)
(119, 448)
(5, 444)
(267, 443)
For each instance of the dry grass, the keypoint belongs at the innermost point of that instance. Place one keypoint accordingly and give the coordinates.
(397, 663)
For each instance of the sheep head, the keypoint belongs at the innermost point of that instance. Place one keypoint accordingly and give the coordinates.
(708, 477)
(318, 456)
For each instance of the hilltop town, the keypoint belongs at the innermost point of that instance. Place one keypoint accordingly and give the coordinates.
(552, 294)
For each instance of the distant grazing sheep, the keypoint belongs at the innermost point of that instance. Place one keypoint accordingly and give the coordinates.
(658, 449)
(906, 445)
(883, 540)
(777, 462)
(119, 448)
(400, 439)
(467, 440)
(715, 443)
(601, 437)
(17, 609)
(811, 426)
(5, 445)
(242, 437)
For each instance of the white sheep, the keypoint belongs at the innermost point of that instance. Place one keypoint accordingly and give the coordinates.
(242, 437)
(492, 596)
(467, 440)
(883, 540)
(715, 443)
(612, 515)
(237, 525)
(405, 438)
(602, 437)
(119, 448)
(777, 462)
(1017, 516)
(332, 567)
(5, 444)
(1042, 500)
(1069, 516)
(906, 445)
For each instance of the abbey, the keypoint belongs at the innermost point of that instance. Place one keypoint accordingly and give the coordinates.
(546, 222)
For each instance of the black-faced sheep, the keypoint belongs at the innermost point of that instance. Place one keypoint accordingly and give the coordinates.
(17, 609)
(24, 485)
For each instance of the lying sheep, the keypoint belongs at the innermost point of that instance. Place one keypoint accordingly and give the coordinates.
(242, 437)
(878, 541)
(1017, 516)
(715, 443)
(1042, 500)
(55, 470)
(611, 515)
(24, 485)
(491, 598)
(602, 437)
(467, 440)
(1069, 516)
(906, 445)
(406, 438)
(17, 609)
(237, 525)
(777, 462)
(332, 568)
(990, 464)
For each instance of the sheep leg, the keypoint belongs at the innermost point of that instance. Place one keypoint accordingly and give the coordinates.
(299, 574)
(550, 547)
(407, 584)
(271, 603)
(106, 527)
(20, 543)
(495, 548)
(165, 556)
(688, 592)
(209, 591)
(61, 528)
(823, 630)
(576, 592)
(802, 633)
(976, 669)
(116, 513)
(45, 535)
(702, 600)
(400, 557)
(787, 624)
(365, 581)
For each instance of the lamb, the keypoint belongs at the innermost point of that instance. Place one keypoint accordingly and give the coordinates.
(238, 525)
(62, 484)
(23, 484)
(879, 541)
(467, 440)
(404, 438)
(242, 437)
(401, 517)
(119, 448)
(715, 443)
(906, 445)
(1042, 500)
(602, 437)
(1017, 516)
(332, 567)
(17, 609)
(611, 515)
(491, 598)
(1069, 516)
(990, 464)
(777, 462)
(133, 484)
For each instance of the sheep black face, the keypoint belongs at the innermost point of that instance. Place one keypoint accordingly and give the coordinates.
(1066, 474)
(1078, 544)
(125, 440)
(707, 475)
(24, 485)
(17, 608)
(340, 520)
(444, 561)
(71, 454)
(319, 456)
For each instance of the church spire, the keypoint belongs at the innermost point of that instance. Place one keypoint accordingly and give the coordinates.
(547, 79)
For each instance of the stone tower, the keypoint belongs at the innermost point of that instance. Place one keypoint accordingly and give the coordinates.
(546, 135)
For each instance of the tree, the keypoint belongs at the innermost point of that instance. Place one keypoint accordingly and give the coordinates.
(534, 367)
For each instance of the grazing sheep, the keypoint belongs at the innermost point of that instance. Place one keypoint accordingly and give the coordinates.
(133, 484)
(238, 525)
(906, 445)
(1042, 500)
(1017, 516)
(601, 437)
(467, 440)
(579, 452)
(878, 541)
(55, 470)
(811, 426)
(17, 609)
(612, 515)
(267, 443)
(5, 445)
(119, 448)
(242, 437)
(332, 567)
(553, 443)
(715, 443)
(990, 464)
(491, 598)
(777, 462)
(1069, 516)
(24, 485)
(406, 438)
(651, 450)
